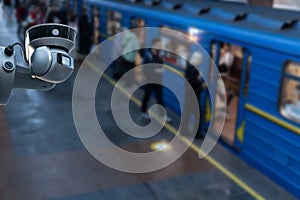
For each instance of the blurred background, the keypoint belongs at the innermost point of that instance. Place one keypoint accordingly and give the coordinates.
(255, 45)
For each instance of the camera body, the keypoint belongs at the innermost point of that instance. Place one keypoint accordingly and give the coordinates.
(47, 47)
(47, 61)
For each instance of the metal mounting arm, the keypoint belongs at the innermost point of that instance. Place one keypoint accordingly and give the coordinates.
(13, 75)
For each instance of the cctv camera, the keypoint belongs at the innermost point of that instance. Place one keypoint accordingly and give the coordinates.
(47, 49)
(47, 61)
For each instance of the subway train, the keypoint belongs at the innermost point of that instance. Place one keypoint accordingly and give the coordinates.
(263, 82)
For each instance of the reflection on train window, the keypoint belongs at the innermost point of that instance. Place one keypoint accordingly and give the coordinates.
(138, 23)
(290, 94)
(113, 22)
(176, 43)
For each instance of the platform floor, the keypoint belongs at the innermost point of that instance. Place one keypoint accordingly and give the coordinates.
(42, 157)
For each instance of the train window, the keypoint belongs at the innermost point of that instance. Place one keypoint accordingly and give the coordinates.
(176, 44)
(113, 22)
(290, 93)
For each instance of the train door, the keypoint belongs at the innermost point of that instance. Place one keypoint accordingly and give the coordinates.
(233, 62)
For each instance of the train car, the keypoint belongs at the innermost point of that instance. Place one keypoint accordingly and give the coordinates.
(263, 82)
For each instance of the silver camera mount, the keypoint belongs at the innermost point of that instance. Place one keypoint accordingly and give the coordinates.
(47, 61)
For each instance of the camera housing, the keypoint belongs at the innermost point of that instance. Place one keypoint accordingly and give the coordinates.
(47, 47)
(47, 61)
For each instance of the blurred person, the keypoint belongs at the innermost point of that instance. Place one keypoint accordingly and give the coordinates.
(73, 20)
(34, 2)
(292, 107)
(34, 16)
(129, 44)
(118, 69)
(41, 17)
(7, 7)
(84, 29)
(168, 56)
(53, 16)
(289, 94)
(95, 25)
(72, 5)
(21, 17)
(194, 78)
(64, 12)
(43, 7)
(183, 55)
(153, 74)
(226, 59)
(17, 4)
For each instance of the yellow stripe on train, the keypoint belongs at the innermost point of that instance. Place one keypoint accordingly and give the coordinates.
(273, 119)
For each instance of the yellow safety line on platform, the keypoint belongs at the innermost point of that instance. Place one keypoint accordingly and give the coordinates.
(211, 160)
(273, 119)
(175, 71)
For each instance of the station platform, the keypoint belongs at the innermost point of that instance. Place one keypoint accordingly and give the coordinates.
(42, 157)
